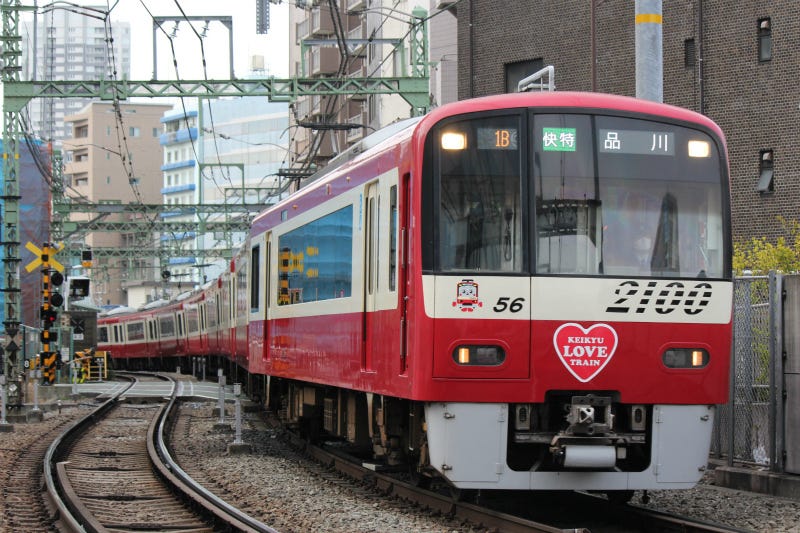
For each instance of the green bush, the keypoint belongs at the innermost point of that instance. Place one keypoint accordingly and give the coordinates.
(758, 256)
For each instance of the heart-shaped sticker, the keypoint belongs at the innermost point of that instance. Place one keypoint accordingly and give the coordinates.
(585, 352)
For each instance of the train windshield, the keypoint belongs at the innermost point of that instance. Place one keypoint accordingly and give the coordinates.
(574, 194)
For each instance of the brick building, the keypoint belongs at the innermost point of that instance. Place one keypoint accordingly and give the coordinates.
(737, 62)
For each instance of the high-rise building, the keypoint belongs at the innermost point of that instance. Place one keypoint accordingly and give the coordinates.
(69, 46)
(241, 143)
(108, 159)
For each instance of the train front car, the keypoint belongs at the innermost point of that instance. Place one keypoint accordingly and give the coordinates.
(577, 289)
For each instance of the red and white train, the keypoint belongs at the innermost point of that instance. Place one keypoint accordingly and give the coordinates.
(524, 291)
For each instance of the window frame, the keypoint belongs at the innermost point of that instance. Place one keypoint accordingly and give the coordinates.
(764, 40)
(766, 171)
(431, 232)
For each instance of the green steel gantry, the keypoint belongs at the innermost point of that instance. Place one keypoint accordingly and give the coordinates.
(17, 93)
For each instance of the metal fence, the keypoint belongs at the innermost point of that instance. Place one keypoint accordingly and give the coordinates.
(750, 428)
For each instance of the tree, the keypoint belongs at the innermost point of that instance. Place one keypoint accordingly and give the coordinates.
(760, 256)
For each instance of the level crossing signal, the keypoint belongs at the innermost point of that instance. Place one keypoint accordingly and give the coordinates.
(52, 299)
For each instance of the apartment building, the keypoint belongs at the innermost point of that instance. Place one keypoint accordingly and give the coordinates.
(108, 159)
(225, 151)
(376, 44)
(66, 45)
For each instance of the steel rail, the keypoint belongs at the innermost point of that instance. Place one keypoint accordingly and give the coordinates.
(652, 520)
(169, 470)
(53, 474)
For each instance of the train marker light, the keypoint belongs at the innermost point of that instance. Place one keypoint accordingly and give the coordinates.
(479, 355)
(453, 141)
(685, 358)
(699, 149)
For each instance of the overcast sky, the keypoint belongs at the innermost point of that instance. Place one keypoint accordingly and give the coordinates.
(246, 42)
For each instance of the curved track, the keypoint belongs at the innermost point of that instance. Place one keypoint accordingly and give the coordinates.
(518, 511)
(112, 471)
(23, 508)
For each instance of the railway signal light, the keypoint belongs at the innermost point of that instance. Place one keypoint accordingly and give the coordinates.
(48, 315)
(86, 258)
(56, 300)
(78, 288)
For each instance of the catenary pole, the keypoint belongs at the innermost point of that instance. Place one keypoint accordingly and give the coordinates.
(649, 51)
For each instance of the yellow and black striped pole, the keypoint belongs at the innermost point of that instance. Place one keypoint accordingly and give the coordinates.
(47, 309)
(51, 300)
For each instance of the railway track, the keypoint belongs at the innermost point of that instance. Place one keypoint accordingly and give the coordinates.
(117, 456)
(23, 508)
(112, 471)
(516, 512)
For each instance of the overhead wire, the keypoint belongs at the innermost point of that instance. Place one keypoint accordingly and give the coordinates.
(225, 173)
(385, 18)
(122, 139)
(125, 155)
(179, 237)
(43, 166)
(201, 39)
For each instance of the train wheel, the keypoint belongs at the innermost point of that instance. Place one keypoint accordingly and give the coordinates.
(416, 477)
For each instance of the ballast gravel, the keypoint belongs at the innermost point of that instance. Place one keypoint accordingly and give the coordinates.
(281, 490)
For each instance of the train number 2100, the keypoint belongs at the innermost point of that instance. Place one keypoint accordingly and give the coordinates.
(664, 297)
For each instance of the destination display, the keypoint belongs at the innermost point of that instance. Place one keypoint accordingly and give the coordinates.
(497, 138)
(636, 142)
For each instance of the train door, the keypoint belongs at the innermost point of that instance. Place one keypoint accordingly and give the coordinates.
(383, 313)
(267, 298)
(153, 340)
(259, 281)
(371, 244)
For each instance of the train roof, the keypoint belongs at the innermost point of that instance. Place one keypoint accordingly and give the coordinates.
(154, 304)
(417, 128)
(370, 141)
(121, 310)
(566, 99)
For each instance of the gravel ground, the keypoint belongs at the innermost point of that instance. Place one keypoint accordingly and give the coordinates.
(745, 510)
(280, 490)
(21, 456)
(277, 489)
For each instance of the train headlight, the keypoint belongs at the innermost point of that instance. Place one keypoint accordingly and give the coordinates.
(685, 358)
(699, 149)
(453, 141)
(479, 355)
